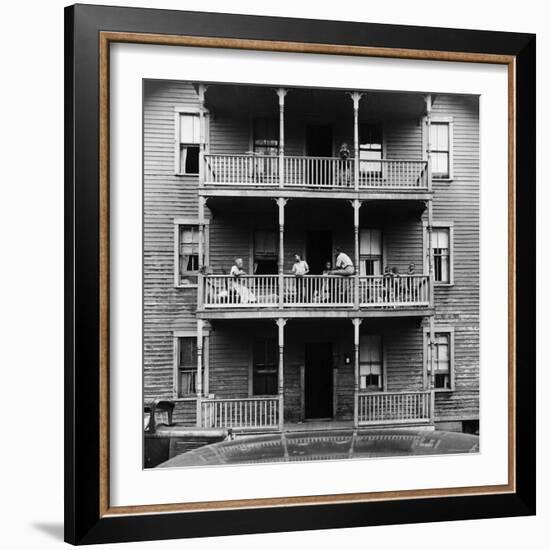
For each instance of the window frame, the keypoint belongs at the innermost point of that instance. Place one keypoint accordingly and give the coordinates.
(439, 225)
(178, 222)
(192, 111)
(439, 120)
(251, 369)
(364, 257)
(440, 329)
(383, 370)
(382, 147)
(177, 334)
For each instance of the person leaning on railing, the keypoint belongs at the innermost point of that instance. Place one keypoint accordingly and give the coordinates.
(344, 175)
(344, 268)
(299, 269)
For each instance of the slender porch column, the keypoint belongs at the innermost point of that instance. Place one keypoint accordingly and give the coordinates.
(356, 206)
(202, 259)
(281, 337)
(198, 381)
(356, 324)
(281, 203)
(202, 133)
(430, 258)
(281, 92)
(356, 97)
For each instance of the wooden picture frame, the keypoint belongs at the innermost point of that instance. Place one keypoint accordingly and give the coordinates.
(89, 517)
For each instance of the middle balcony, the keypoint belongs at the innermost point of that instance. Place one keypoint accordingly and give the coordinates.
(323, 259)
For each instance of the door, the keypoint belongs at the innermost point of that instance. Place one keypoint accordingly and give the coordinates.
(318, 251)
(319, 140)
(319, 144)
(318, 380)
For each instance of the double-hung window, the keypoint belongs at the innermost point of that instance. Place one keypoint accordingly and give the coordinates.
(442, 249)
(370, 362)
(265, 252)
(264, 367)
(370, 252)
(188, 143)
(441, 145)
(370, 148)
(187, 261)
(443, 358)
(186, 366)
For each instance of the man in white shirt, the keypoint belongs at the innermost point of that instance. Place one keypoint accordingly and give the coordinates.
(344, 265)
(300, 268)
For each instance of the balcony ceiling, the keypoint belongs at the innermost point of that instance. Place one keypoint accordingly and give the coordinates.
(238, 100)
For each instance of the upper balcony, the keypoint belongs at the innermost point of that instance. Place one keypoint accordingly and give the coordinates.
(326, 174)
(261, 141)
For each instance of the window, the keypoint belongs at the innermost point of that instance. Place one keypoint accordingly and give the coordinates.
(442, 359)
(188, 254)
(370, 252)
(370, 362)
(265, 367)
(266, 136)
(189, 143)
(265, 252)
(440, 146)
(441, 254)
(186, 366)
(370, 147)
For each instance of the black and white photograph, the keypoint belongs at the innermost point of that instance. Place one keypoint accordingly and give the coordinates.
(311, 273)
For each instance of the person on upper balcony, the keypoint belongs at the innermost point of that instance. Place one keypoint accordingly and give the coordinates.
(344, 265)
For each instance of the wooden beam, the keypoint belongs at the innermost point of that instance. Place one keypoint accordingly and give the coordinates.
(281, 339)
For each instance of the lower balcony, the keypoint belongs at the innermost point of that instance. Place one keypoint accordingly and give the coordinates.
(224, 292)
(401, 408)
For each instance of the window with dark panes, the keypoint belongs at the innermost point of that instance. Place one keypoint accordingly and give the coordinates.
(440, 146)
(370, 147)
(265, 252)
(441, 254)
(187, 366)
(189, 139)
(442, 360)
(265, 367)
(370, 252)
(188, 248)
(370, 362)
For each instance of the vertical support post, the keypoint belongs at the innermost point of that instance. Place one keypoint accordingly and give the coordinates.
(356, 203)
(431, 343)
(198, 381)
(356, 324)
(281, 337)
(202, 262)
(281, 92)
(428, 100)
(356, 97)
(281, 202)
(202, 133)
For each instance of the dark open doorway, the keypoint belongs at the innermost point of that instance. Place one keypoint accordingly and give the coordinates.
(318, 380)
(318, 251)
(319, 140)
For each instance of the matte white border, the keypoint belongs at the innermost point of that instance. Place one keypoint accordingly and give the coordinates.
(130, 484)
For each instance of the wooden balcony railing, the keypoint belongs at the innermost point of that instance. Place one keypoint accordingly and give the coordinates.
(246, 413)
(409, 407)
(258, 291)
(394, 290)
(314, 172)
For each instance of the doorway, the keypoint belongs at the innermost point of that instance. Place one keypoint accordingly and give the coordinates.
(318, 251)
(318, 380)
(319, 140)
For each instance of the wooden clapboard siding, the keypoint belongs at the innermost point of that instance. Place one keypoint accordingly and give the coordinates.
(402, 244)
(402, 139)
(166, 197)
(458, 306)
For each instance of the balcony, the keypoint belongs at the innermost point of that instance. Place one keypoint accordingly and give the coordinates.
(264, 412)
(261, 172)
(320, 292)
